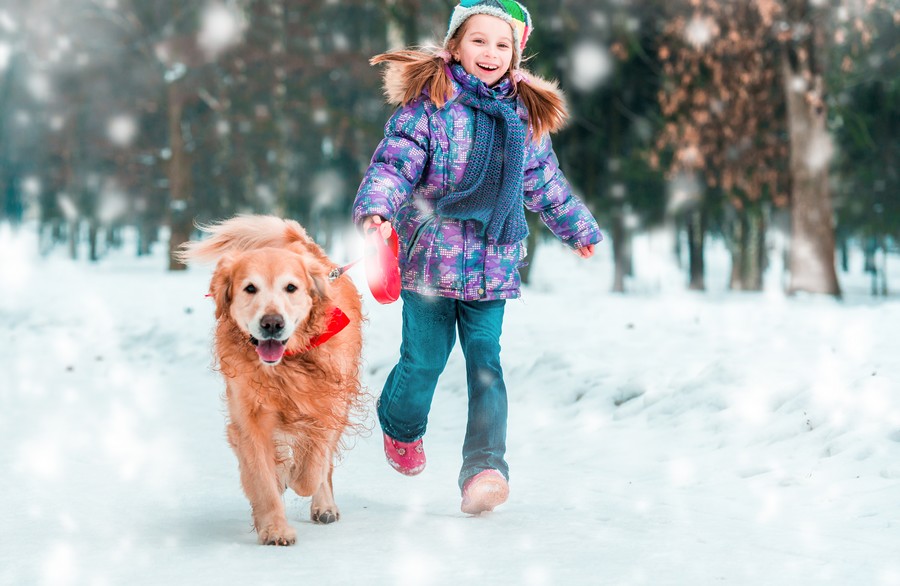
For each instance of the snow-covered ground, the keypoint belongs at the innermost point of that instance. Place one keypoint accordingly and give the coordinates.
(662, 437)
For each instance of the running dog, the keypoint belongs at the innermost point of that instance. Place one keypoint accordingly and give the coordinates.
(288, 344)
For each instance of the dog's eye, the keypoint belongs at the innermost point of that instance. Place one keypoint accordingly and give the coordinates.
(251, 288)
(291, 288)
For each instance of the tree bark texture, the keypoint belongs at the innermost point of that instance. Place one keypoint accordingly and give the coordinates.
(812, 248)
(696, 230)
(621, 244)
(748, 250)
(180, 218)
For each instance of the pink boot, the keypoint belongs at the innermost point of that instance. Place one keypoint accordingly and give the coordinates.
(405, 457)
(483, 492)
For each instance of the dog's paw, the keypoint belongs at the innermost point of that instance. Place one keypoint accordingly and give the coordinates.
(325, 517)
(277, 535)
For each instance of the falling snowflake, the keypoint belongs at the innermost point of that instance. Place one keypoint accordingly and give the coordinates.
(591, 65)
(221, 27)
(121, 130)
(700, 31)
(5, 55)
(39, 87)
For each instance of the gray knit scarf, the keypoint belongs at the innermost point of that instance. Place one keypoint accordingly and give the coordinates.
(491, 190)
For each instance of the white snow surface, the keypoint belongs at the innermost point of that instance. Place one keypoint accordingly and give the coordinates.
(660, 437)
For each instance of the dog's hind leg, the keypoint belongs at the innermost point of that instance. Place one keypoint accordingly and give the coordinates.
(261, 483)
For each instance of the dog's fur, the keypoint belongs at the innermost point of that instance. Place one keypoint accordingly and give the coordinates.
(287, 412)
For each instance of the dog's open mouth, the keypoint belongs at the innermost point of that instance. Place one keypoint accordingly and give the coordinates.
(270, 351)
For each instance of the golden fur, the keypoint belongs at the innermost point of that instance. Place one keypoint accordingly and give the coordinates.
(287, 414)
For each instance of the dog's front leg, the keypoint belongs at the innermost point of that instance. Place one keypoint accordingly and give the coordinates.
(323, 508)
(256, 457)
(313, 478)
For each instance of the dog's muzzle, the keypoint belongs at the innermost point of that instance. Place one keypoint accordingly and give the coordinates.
(269, 345)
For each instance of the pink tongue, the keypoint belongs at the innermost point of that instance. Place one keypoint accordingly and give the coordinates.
(270, 350)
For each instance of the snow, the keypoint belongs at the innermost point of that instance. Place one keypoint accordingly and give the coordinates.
(221, 27)
(121, 130)
(5, 55)
(819, 150)
(39, 87)
(700, 31)
(660, 437)
(591, 65)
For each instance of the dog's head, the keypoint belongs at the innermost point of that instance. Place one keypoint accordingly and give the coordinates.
(269, 293)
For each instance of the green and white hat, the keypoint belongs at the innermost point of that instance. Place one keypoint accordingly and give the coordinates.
(509, 10)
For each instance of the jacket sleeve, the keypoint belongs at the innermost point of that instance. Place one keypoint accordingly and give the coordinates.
(397, 165)
(548, 193)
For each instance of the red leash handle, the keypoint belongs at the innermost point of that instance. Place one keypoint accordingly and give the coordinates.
(382, 266)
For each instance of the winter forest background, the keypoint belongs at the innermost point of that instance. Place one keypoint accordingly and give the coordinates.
(661, 436)
(772, 126)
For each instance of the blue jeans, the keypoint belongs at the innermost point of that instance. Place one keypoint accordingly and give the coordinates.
(429, 333)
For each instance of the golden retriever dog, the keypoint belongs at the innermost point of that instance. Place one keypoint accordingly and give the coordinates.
(288, 344)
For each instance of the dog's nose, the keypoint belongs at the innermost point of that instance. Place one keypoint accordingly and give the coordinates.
(272, 324)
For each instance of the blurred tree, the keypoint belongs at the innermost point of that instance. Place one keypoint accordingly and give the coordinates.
(865, 123)
(603, 56)
(725, 122)
(162, 113)
(12, 157)
(803, 35)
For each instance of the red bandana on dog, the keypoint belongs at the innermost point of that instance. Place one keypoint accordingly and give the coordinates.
(337, 321)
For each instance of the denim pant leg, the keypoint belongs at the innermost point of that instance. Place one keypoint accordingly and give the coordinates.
(480, 325)
(428, 336)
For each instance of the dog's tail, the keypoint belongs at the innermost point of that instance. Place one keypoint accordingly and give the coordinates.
(243, 232)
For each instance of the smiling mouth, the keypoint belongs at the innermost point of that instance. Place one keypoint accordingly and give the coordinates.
(488, 67)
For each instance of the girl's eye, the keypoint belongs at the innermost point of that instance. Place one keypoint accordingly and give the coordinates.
(291, 288)
(251, 288)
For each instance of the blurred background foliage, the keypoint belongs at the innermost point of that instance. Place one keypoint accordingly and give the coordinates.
(721, 119)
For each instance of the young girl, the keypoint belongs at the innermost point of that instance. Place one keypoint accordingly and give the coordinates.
(462, 157)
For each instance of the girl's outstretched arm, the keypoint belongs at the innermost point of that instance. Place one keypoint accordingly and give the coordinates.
(548, 193)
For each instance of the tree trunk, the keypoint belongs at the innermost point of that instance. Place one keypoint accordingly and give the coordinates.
(755, 256)
(812, 249)
(180, 220)
(72, 238)
(844, 247)
(621, 253)
(748, 250)
(696, 234)
(531, 245)
(93, 235)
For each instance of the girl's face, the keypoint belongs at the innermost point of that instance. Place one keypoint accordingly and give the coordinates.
(485, 47)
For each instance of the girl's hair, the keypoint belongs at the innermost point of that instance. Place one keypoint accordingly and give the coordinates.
(411, 71)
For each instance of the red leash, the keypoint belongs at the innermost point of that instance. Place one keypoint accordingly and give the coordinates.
(338, 271)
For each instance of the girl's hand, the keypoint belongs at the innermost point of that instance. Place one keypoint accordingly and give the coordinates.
(585, 251)
(384, 228)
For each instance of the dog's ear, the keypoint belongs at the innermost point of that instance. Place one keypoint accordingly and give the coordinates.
(319, 283)
(220, 286)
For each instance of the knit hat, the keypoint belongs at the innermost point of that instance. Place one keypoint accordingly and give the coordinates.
(509, 10)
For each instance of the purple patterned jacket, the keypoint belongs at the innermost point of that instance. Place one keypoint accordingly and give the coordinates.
(423, 154)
